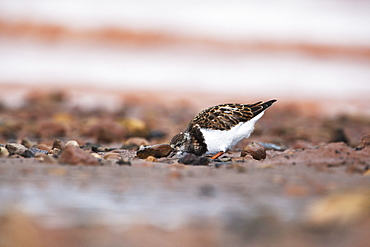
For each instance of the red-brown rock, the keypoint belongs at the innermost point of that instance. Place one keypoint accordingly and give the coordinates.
(75, 156)
(256, 150)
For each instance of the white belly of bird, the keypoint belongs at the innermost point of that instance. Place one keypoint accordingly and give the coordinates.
(222, 140)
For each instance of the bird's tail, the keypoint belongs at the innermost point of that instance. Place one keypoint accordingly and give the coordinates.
(261, 106)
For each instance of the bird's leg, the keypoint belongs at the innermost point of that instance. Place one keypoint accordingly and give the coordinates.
(217, 155)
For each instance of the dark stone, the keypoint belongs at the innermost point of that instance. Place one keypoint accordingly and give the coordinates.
(192, 159)
(28, 154)
(339, 136)
(158, 151)
(31, 152)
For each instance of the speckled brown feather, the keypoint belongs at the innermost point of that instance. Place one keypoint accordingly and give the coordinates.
(226, 116)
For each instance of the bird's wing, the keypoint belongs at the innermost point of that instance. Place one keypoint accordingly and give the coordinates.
(226, 116)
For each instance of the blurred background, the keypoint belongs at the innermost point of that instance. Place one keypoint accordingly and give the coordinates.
(313, 49)
(155, 64)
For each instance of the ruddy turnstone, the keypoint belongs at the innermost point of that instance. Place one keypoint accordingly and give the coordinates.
(218, 128)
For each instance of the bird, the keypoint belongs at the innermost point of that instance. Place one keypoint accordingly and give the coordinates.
(218, 128)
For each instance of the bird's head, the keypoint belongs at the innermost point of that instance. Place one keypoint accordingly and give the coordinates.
(178, 141)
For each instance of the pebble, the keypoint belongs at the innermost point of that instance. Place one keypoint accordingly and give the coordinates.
(72, 143)
(31, 152)
(15, 148)
(225, 159)
(192, 159)
(256, 150)
(74, 155)
(4, 152)
(112, 156)
(96, 155)
(151, 159)
(157, 151)
(56, 151)
(58, 144)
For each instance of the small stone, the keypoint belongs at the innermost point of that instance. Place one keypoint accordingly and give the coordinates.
(31, 152)
(134, 143)
(157, 151)
(15, 148)
(59, 144)
(365, 141)
(96, 155)
(72, 143)
(192, 159)
(255, 149)
(74, 155)
(112, 156)
(44, 147)
(95, 148)
(4, 152)
(151, 159)
(27, 143)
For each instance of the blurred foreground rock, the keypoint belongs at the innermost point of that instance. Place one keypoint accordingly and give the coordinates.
(75, 156)
(340, 209)
(15, 148)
